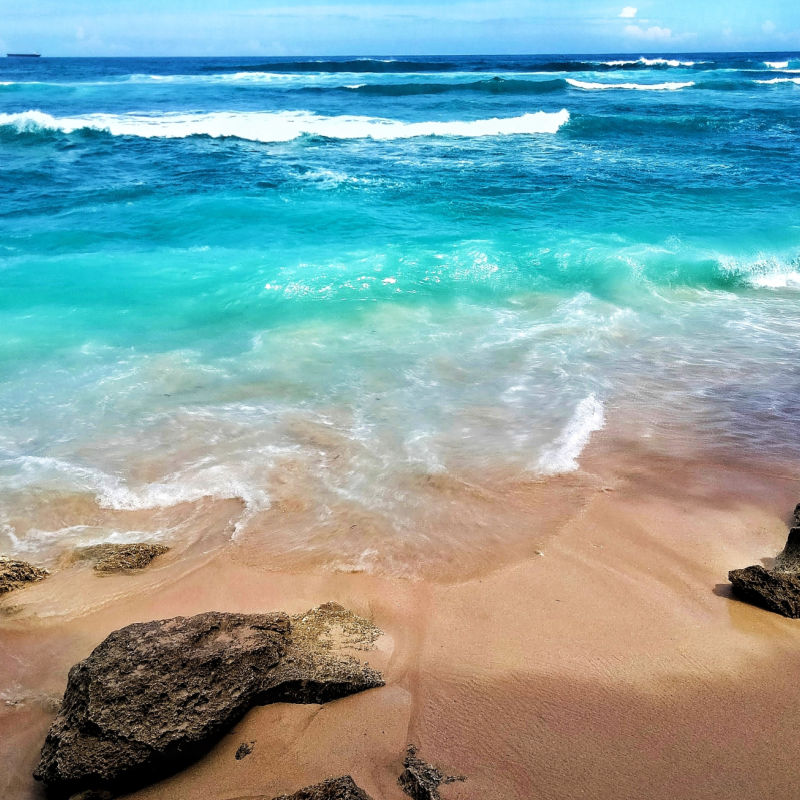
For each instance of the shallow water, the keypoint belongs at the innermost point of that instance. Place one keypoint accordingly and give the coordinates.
(316, 285)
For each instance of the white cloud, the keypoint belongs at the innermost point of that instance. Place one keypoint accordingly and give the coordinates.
(653, 33)
(629, 12)
(768, 26)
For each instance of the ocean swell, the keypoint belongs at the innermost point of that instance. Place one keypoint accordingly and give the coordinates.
(495, 85)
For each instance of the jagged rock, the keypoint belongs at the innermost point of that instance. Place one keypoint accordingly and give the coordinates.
(14, 574)
(776, 589)
(154, 696)
(121, 557)
(343, 788)
(788, 560)
(771, 589)
(421, 780)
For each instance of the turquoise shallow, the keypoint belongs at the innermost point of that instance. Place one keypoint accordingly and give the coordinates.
(219, 277)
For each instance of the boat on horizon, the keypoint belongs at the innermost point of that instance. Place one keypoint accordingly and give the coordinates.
(23, 55)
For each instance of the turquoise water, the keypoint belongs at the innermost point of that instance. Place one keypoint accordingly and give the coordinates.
(247, 279)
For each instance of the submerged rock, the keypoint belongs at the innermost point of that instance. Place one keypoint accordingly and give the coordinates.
(154, 696)
(421, 780)
(14, 574)
(343, 788)
(121, 557)
(776, 589)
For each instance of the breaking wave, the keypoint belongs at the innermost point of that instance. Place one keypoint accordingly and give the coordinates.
(781, 80)
(639, 87)
(280, 126)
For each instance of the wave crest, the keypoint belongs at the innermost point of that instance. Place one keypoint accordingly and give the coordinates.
(639, 87)
(281, 126)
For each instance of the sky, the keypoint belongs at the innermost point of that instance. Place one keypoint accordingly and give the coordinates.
(393, 27)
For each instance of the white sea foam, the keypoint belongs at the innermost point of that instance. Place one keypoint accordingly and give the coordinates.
(282, 126)
(781, 80)
(639, 87)
(113, 493)
(651, 62)
(665, 62)
(781, 280)
(77, 535)
(776, 64)
(763, 272)
(562, 454)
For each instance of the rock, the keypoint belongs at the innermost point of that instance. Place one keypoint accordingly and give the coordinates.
(121, 557)
(244, 750)
(776, 589)
(788, 560)
(771, 589)
(14, 574)
(796, 516)
(421, 780)
(154, 696)
(343, 788)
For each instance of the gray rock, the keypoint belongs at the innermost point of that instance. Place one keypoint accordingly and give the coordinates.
(788, 560)
(154, 696)
(343, 788)
(14, 574)
(773, 590)
(421, 780)
(776, 589)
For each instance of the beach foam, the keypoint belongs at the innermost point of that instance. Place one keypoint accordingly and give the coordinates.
(113, 493)
(562, 455)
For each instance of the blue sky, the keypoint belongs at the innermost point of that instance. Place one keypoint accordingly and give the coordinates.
(344, 27)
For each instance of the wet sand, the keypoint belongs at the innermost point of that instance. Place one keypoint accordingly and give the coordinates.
(601, 656)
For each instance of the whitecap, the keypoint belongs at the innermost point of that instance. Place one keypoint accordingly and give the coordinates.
(763, 272)
(776, 64)
(650, 62)
(639, 87)
(788, 279)
(282, 126)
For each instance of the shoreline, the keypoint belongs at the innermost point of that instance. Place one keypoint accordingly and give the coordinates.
(614, 663)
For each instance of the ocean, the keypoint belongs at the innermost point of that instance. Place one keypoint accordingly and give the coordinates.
(304, 299)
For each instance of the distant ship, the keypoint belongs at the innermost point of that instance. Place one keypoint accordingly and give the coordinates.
(23, 55)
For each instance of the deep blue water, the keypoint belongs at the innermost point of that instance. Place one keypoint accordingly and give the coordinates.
(214, 270)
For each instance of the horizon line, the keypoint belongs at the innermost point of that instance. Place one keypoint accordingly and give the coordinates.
(430, 55)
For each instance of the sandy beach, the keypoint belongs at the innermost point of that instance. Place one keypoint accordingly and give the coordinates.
(601, 656)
